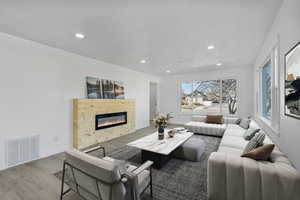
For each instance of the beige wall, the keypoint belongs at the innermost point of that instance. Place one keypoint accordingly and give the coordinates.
(84, 112)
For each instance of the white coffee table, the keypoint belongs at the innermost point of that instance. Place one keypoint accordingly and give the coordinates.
(157, 150)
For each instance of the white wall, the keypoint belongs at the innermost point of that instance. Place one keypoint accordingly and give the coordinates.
(286, 29)
(153, 99)
(38, 83)
(170, 90)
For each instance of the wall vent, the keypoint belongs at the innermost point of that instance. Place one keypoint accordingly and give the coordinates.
(21, 150)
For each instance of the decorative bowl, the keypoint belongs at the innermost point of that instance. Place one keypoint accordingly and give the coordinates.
(171, 133)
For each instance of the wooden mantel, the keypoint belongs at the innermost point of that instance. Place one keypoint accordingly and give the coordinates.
(84, 113)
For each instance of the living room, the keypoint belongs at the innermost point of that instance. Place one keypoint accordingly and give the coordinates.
(175, 91)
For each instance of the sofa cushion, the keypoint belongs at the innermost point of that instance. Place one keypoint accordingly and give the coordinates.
(214, 119)
(205, 128)
(198, 118)
(278, 157)
(253, 125)
(245, 123)
(234, 130)
(268, 140)
(250, 133)
(230, 150)
(231, 120)
(260, 153)
(255, 142)
(233, 142)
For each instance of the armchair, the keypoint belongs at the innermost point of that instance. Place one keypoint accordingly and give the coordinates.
(105, 178)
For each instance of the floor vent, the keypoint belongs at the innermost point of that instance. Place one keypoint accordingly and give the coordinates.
(21, 150)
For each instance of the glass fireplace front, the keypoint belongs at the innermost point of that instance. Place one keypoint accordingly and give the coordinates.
(110, 120)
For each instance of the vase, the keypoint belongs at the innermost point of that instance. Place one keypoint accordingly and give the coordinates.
(161, 132)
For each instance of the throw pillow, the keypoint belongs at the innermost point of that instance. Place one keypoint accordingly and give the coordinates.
(260, 153)
(255, 142)
(214, 119)
(260, 137)
(245, 123)
(250, 133)
(238, 121)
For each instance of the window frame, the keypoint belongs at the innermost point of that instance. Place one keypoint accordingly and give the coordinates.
(274, 57)
(221, 96)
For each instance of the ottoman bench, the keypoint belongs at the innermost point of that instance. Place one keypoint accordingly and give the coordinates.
(191, 150)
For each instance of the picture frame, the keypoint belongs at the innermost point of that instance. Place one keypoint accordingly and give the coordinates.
(104, 89)
(119, 90)
(94, 88)
(292, 82)
(108, 89)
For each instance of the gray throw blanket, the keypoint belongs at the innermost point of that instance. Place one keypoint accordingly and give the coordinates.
(131, 185)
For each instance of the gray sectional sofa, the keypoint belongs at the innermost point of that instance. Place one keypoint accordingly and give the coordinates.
(232, 177)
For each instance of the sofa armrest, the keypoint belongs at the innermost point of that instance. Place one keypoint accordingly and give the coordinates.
(231, 177)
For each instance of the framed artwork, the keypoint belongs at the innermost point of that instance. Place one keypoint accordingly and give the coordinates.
(108, 89)
(119, 90)
(104, 89)
(94, 88)
(292, 82)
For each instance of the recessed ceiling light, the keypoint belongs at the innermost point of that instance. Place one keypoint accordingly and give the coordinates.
(143, 61)
(210, 47)
(219, 64)
(79, 35)
(168, 71)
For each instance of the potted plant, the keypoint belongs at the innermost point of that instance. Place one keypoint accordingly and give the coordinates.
(161, 122)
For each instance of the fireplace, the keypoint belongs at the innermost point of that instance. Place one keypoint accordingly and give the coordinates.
(110, 120)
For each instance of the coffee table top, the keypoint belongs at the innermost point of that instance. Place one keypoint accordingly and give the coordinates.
(165, 146)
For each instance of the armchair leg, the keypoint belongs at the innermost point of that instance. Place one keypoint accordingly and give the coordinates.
(62, 193)
(151, 189)
(62, 182)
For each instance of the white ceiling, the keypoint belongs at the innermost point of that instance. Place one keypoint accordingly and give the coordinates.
(169, 34)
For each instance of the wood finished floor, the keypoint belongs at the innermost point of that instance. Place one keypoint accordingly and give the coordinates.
(35, 180)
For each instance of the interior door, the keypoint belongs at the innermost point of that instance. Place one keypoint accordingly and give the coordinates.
(153, 100)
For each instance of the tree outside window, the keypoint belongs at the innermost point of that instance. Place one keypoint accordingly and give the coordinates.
(214, 96)
(266, 92)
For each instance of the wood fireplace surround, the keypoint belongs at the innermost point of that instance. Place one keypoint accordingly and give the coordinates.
(99, 120)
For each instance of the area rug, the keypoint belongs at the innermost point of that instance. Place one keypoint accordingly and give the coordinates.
(178, 179)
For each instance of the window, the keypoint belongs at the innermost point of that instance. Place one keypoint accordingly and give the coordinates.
(268, 107)
(187, 97)
(213, 96)
(206, 96)
(266, 90)
(229, 99)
